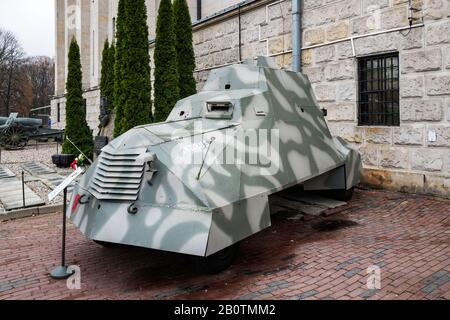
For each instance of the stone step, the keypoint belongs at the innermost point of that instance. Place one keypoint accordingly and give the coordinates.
(54, 181)
(37, 168)
(11, 195)
(6, 173)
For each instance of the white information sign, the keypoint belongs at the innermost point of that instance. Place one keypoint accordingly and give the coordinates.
(52, 195)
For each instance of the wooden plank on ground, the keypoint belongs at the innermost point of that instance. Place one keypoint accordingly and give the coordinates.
(314, 200)
(315, 210)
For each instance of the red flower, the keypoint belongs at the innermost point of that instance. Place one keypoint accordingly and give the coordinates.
(73, 165)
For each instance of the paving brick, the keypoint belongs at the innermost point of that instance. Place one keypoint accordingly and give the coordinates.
(250, 296)
(405, 235)
(352, 272)
(348, 262)
(369, 293)
(307, 294)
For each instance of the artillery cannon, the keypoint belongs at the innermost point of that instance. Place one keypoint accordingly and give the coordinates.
(16, 132)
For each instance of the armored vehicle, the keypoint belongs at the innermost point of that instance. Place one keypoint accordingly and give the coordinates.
(199, 183)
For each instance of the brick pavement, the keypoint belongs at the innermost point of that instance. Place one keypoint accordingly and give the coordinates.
(407, 236)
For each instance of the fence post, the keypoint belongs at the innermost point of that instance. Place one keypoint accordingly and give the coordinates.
(23, 189)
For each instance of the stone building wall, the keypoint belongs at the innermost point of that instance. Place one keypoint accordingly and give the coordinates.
(92, 110)
(60, 39)
(399, 157)
(265, 30)
(394, 157)
(90, 23)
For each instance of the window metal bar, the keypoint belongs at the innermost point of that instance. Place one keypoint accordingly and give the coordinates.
(378, 90)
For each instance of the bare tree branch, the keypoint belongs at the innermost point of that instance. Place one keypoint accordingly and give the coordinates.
(11, 59)
(40, 72)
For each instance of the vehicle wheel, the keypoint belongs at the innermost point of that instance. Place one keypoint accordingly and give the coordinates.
(106, 244)
(217, 262)
(342, 195)
(14, 138)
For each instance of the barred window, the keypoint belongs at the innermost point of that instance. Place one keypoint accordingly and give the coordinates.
(378, 90)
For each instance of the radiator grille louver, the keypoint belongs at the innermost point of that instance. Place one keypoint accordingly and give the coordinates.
(117, 177)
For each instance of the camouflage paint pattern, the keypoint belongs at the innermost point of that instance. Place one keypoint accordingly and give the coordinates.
(140, 191)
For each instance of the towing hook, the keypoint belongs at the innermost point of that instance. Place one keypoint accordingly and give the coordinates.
(132, 209)
(82, 202)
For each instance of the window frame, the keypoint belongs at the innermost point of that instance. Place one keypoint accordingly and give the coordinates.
(58, 112)
(379, 90)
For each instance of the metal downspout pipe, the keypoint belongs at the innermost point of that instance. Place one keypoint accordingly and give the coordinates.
(296, 36)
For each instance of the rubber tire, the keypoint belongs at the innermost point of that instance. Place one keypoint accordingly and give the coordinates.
(342, 195)
(106, 244)
(217, 262)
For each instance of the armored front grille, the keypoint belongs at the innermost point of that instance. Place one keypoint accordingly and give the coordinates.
(117, 177)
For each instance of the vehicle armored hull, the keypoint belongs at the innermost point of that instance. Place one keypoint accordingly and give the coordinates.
(200, 182)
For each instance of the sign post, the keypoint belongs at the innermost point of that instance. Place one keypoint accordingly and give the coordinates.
(61, 272)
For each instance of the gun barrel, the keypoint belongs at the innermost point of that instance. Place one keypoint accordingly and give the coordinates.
(29, 122)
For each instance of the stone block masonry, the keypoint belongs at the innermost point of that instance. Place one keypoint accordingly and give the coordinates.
(400, 157)
(92, 110)
(403, 156)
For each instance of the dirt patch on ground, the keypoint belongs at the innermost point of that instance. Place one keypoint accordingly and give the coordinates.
(333, 225)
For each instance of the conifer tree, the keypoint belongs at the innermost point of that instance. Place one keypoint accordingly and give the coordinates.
(137, 108)
(184, 49)
(107, 76)
(77, 129)
(119, 94)
(166, 73)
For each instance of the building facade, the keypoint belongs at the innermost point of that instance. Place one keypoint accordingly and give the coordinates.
(380, 67)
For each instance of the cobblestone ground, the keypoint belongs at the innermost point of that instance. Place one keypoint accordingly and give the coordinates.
(407, 236)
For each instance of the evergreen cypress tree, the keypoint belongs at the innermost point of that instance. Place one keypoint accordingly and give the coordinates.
(184, 48)
(137, 108)
(166, 74)
(111, 66)
(107, 76)
(120, 59)
(77, 128)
